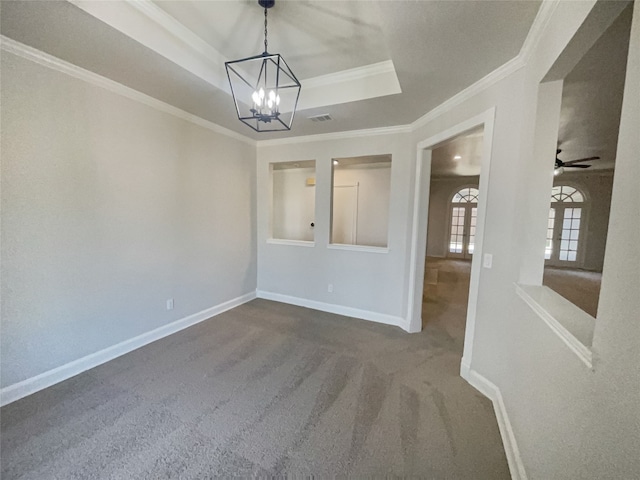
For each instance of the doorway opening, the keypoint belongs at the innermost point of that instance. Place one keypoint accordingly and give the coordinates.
(463, 217)
(452, 169)
(451, 231)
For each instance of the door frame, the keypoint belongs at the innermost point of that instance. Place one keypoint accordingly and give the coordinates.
(420, 221)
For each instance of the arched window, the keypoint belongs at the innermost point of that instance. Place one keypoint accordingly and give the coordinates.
(566, 219)
(464, 212)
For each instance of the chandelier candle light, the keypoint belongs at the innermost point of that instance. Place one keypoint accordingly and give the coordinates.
(265, 90)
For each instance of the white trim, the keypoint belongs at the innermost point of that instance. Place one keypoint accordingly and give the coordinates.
(539, 26)
(197, 44)
(492, 392)
(181, 33)
(293, 243)
(582, 351)
(149, 25)
(32, 385)
(28, 53)
(333, 308)
(485, 82)
(533, 37)
(370, 132)
(351, 74)
(357, 248)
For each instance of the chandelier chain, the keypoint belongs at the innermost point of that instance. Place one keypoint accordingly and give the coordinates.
(265, 31)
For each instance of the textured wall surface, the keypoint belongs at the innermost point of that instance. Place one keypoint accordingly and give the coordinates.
(109, 208)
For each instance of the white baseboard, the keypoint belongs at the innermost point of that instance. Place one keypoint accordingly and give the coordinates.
(31, 385)
(337, 309)
(492, 392)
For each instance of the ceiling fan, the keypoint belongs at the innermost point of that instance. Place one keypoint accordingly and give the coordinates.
(560, 165)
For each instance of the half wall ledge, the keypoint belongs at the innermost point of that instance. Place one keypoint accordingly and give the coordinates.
(574, 326)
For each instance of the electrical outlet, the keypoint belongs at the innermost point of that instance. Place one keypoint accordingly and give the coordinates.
(330, 288)
(170, 304)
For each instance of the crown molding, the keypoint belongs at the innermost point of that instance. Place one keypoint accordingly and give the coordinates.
(485, 82)
(149, 25)
(539, 26)
(543, 17)
(321, 137)
(351, 74)
(177, 30)
(37, 56)
(180, 32)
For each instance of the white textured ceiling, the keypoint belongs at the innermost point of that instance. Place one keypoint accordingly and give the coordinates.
(467, 146)
(435, 48)
(316, 37)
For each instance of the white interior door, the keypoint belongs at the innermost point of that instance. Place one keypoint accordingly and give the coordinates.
(344, 224)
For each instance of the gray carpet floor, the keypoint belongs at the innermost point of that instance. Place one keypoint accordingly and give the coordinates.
(269, 389)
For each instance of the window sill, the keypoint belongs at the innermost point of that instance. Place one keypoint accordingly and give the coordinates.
(574, 326)
(293, 243)
(358, 248)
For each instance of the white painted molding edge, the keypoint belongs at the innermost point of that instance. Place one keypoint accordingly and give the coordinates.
(533, 37)
(357, 248)
(545, 12)
(320, 137)
(492, 392)
(292, 243)
(333, 308)
(357, 73)
(485, 82)
(31, 385)
(536, 32)
(29, 53)
(583, 352)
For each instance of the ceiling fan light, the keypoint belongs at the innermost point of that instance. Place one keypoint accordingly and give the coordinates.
(558, 171)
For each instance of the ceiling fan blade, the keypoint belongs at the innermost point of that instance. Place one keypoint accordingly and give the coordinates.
(577, 166)
(587, 159)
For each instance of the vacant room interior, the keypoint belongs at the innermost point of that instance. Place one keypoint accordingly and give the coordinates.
(433, 273)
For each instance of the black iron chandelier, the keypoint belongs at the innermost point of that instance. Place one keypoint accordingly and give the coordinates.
(264, 88)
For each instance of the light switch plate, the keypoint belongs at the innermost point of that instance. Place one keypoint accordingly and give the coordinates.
(488, 260)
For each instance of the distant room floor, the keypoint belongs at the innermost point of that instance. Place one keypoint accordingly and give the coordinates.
(264, 389)
(580, 287)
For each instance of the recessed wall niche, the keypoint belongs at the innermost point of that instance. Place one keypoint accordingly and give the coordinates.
(360, 200)
(293, 201)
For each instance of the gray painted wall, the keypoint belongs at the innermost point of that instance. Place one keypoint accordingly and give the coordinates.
(109, 208)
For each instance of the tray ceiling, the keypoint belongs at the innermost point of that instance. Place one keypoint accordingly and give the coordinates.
(366, 63)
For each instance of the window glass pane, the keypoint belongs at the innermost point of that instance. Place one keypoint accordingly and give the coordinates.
(293, 200)
(360, 200)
